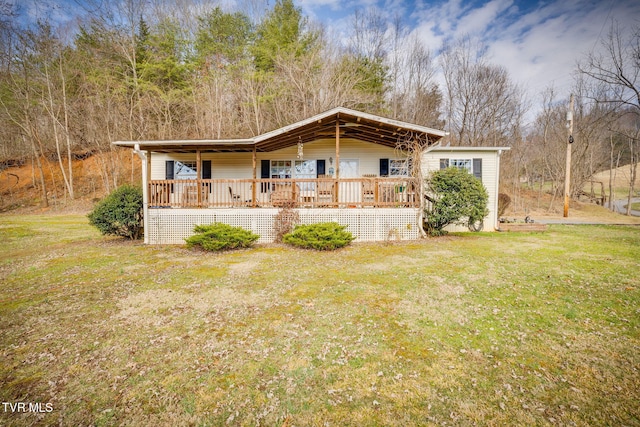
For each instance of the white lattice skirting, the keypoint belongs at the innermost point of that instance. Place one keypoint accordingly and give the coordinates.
(172, 226)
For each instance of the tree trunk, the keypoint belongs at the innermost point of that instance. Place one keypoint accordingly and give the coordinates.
(43, 184)
(56, 136)
(66, 131)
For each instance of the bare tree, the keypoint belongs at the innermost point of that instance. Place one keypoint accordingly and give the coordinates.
(617, 68)
(370, 35)
(484, 107)
(416, 96)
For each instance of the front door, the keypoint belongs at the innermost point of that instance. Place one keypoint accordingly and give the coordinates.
(349, 191)
(306, 170)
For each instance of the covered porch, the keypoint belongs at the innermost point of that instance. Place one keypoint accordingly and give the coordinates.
(324, 192)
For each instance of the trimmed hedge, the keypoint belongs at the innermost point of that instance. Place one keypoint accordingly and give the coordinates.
(323, 236)
(220, 237)
(120, 213)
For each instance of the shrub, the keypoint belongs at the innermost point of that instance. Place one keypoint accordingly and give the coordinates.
(219, 237)
(284, 222)
(456, 197)
(120, 213)
(322, 236)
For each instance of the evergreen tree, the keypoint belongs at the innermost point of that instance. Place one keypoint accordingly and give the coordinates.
(163, 63)
(283, 32)
(222, 38)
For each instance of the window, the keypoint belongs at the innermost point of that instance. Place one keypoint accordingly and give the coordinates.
(184, 170)
(280, 168)
(399, 167)
(473, 166)
(305, 168)
(461, 164)
(301, 169)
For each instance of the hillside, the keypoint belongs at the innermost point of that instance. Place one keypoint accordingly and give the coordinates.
(20, 189)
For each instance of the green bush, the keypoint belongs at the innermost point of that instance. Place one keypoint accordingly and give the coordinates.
(120, 213)
(322, 236)
(455, 197)
(219, 237)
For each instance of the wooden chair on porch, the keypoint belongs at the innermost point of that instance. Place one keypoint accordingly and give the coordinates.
(235, 198)
(190, 195)
(326, 191)
(284, 195)
(368, 190)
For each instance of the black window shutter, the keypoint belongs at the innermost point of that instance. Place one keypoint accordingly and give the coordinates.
(265, 173)
(168, 171)
(265, 168)
(384, 167)
(206, 169)
(444, 163)
(169, 165)
(321, 167)
(477, 168)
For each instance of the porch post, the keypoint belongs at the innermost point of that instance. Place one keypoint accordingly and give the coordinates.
(148, 156)
(198, 176)
(337, 161)
(337, 149)
(145, 190)
(255, 175)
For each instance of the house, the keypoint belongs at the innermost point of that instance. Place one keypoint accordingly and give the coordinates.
(341, 165)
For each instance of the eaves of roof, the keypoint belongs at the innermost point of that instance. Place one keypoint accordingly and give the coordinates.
(339, 121)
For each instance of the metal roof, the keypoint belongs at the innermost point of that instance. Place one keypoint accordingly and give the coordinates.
(350, 124)
(440, 149)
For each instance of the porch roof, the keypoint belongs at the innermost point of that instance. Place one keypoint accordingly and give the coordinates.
(346, 122)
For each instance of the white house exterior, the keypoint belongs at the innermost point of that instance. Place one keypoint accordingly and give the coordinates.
(341, 165)
(482, 162)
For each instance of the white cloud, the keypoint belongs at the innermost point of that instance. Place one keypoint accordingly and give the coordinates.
(538, 46)
(478, 21)
(541, 48)
(311, 5)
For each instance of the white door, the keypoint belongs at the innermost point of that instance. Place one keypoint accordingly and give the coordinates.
(349, 192)
(306, 169)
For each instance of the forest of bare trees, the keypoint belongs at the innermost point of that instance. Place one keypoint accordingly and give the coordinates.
(177, 70)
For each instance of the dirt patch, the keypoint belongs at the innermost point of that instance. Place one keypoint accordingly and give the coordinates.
(159, 306)
(243, 268)
(20, 186)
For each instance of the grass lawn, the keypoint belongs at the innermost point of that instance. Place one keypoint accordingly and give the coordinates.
(488, 329)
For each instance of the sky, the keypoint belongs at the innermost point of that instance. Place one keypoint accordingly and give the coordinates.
(538, 42)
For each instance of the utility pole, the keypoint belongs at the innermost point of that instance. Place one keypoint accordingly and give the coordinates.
(567, 176)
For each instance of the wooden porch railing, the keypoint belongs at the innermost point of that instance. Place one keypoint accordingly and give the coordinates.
(375, 192)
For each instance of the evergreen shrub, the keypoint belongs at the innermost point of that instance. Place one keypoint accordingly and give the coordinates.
(455, 197)
(220, 237)
(322, 236)
(120, 213)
